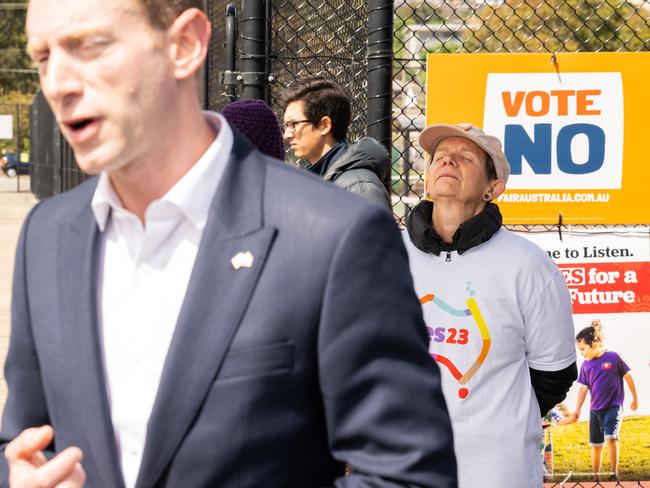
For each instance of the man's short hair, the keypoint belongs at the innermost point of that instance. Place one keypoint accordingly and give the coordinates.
(162, 13)
(321, 98)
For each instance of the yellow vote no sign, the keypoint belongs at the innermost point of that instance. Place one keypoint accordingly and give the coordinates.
(572, 128)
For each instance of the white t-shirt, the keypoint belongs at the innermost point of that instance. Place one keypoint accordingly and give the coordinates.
(492, 313)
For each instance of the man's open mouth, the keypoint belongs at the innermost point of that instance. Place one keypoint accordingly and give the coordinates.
(79, 124)
(80, 130)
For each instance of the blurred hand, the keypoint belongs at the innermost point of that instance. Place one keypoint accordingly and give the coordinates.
(634, 405)
(29, 468)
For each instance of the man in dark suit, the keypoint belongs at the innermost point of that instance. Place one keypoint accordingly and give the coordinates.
(200, 315)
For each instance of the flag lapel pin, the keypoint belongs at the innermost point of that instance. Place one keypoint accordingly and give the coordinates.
(242, 260)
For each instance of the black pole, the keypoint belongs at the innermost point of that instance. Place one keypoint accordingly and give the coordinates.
(57, 155)
(380, 70)
(254, 49)
(19, 148)
(230, 80)
(269, 38)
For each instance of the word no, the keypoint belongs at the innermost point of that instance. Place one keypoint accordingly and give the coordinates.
(537, 147)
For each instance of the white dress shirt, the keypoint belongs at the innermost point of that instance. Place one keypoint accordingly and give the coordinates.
(145, 271)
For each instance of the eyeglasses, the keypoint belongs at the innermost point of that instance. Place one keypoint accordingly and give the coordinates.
(291, 126)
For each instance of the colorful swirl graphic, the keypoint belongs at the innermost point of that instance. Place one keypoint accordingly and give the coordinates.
(473, 310)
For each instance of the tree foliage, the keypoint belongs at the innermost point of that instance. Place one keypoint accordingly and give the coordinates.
(13, 56)
(560, 25)
(17, 84)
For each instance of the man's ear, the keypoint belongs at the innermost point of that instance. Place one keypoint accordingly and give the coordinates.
(189, 36)
(325, 126)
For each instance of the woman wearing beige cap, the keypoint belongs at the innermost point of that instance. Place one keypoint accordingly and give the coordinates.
(497, 310)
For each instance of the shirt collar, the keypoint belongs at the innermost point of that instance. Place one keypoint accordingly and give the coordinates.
(321, 166)
(193, 193)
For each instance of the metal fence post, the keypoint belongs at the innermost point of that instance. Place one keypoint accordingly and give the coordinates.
(254, 49)
(380, 70)
(229, 81)
(57, 159)
(19, 146)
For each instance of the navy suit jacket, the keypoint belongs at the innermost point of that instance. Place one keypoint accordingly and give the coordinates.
(276, 375)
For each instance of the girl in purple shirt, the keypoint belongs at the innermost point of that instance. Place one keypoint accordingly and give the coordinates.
(602, 374)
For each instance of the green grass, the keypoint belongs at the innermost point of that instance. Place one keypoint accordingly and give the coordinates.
(571, 450)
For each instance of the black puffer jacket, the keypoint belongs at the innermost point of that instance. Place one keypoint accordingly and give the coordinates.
(364, 169)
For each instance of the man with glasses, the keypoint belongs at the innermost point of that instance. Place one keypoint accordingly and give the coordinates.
(316, 119)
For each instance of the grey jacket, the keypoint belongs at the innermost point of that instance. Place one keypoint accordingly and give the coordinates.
(362, 169)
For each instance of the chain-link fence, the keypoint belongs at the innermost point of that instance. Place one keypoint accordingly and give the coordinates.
(497, 26)
(53, 167)
(302, 38)
(604, 484)
(44, 140)
(434, 26)
(297, 39)
(293, 39)
(324, 37)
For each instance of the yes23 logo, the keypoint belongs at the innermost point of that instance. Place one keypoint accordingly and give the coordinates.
(450, 335)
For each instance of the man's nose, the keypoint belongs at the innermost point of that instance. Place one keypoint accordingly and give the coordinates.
(60, 79)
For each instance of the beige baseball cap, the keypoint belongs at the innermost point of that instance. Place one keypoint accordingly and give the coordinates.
(433, 134)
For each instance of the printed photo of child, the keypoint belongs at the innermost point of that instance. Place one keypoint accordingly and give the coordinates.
(601, 375)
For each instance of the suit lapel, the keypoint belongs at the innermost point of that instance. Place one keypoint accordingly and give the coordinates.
(77, 280)
(214, 305)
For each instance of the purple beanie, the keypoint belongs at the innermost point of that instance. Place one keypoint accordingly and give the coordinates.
(255, 120)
